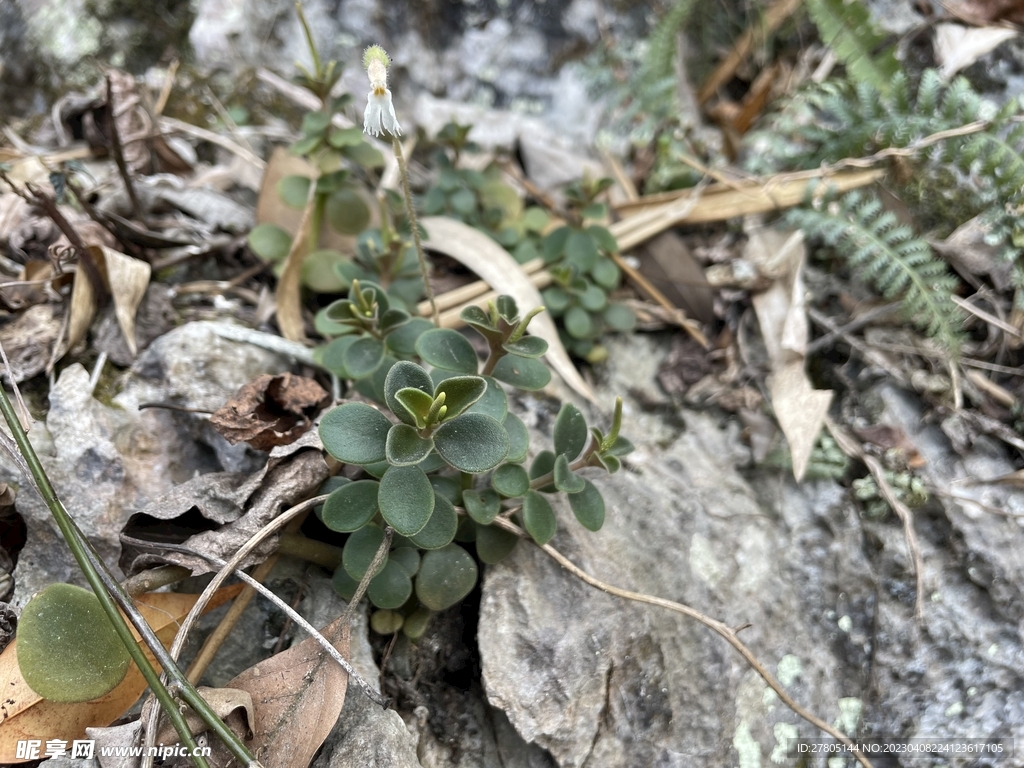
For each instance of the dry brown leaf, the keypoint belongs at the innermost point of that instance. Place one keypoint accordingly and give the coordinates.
(29, 340)
(298, 695)
(271, 410)
(889, 438)
(673, 271)
(288, 295)
(83, 308)
(496, 266)
(24, 715)
(127, 279)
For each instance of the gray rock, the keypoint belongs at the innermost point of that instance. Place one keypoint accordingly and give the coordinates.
(106, 462)
(600, 681)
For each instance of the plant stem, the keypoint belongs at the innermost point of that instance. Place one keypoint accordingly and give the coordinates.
(410, 211)
(107, 590)
(580, 463)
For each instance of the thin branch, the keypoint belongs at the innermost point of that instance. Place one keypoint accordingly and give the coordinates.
(720, 628)
(293, 615)
(850, 447)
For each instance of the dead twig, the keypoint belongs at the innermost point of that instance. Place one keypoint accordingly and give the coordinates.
(118, 151)
(851, 448)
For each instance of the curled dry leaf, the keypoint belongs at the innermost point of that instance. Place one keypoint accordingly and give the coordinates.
(799, 408)
(232, 705)
(24, 715)
(498, 269)
(271, 410)
(298, 695)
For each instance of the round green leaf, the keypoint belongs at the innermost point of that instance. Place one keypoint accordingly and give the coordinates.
(440, 530)
(482, 506)
(347, 212)
(345, 137)
(528, 346)
(352, 506)
(405, 446)
(294, 191)
(327, 327)
(555, 299)
(68, 650)
(522, 372)
(554, 244)
(518, 438)
(463, 202)
(494, 544)
(588, 506)
(466, 532)
(535, 219)
(393, 319)
(402, 375)
(538, 517)
(448, 487)
(319, 273)
(447, 349)
(402, 340)
(604, 239)
(619, 318)
(406, 499)
(579, 323)
(363, 357)
(494, 402)
(360, 549)
(565, 479)
(593, 299)
(315, 123)
(408, 558)
(344, 584)
(373, 386)
(472, 442)
(416, 623)
(581, 251)
(543, 463)
(570, 432)
(386, 622)
(413, 406)
(446, 576)
(355, 433)
(329, 486)
(270, 242)
(460, 392)
(391, 587)
(365, 155)
(333, 357)
(606, 273)
(510, 480)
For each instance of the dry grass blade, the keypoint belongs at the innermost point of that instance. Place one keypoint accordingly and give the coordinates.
(289, 288)
(497, 268)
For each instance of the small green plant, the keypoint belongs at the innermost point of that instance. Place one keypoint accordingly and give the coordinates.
(68, 650)
(481, 199)
(578, 256)
(451, 443)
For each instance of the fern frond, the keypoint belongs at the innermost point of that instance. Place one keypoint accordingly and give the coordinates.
(661, 49)
(897, 263)
(845, 27)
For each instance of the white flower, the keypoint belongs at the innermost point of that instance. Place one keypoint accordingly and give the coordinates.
(380, 114)
(380, 111)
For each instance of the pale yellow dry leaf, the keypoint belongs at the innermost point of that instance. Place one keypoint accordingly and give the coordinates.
(498, 269)
(127, 279)
(288, 295)
(83, 308)
(800, 410)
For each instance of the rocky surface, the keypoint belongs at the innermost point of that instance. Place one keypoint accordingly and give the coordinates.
(829, 598)
(107, 461)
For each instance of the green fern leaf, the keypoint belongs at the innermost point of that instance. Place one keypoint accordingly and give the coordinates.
(845, 27)
(891, 258)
